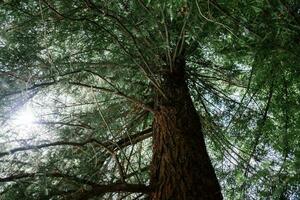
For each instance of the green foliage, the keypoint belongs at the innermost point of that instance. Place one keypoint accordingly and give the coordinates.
(90, 70)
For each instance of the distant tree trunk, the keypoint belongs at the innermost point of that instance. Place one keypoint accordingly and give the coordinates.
(181, 168)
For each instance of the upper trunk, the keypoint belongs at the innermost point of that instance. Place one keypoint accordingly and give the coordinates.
(181, 168)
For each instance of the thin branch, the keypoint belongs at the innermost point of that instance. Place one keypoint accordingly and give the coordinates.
(117, 187)
(133, 139)
(54, 175)
(117, 93)
(96, 188)
(216, 22)
(85, 126)
(36, 147)
(34, 86)
(259, 134)
(123, 142)
(147, 71)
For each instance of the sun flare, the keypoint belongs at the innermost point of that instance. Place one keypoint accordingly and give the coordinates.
(25, 117)
(23, 123)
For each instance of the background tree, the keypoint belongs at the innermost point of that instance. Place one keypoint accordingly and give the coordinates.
(122, 93)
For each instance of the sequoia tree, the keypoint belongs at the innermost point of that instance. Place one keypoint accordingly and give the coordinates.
(127, 99)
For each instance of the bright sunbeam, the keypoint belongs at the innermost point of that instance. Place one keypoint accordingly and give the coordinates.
(23, 123)
(25, 117)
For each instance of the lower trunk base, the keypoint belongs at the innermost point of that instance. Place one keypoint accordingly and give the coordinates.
(181, 169)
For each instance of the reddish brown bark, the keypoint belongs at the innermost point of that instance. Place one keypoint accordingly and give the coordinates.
(181, 168)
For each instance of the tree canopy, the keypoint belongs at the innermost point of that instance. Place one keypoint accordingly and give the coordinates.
(89, 72)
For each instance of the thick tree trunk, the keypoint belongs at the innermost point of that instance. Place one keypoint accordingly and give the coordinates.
(181, 168)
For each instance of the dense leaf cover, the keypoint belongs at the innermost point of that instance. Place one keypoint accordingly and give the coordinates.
(89, 69)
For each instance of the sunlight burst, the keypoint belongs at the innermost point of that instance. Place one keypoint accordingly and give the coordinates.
(24, 123)
(25, 117)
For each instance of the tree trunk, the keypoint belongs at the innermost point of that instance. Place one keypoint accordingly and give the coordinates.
(181, 168)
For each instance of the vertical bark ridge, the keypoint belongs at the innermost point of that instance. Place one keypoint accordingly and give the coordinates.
(181, 168)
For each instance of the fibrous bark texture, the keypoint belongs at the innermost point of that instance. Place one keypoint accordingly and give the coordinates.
(181, 168)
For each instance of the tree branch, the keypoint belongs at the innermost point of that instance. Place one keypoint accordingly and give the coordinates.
(96, 188)
(54, 175)
(123, 142)
(117, 187)
(117, 93)
(34, 86)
